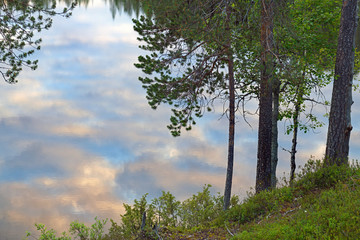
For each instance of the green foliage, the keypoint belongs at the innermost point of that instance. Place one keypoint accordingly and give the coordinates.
(306, 32)
(330, 214)
(322, 203)
(260, 205)
(185, 67)
(77, 230)
(200, 209)
(167, 209)
(19, 21)
(316, 176)
(132, 219)
(95, 232)
(48, 234)
(166, 212)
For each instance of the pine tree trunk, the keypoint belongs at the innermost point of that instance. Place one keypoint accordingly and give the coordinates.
(230, 166)
(274, 131)
(337, 146)
(263, 171)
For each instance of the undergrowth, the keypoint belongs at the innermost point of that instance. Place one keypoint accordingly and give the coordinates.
(321, 203)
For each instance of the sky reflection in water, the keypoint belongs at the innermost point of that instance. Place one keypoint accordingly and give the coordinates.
(78, 137)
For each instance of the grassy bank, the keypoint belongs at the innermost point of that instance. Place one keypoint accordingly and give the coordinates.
(322, 205)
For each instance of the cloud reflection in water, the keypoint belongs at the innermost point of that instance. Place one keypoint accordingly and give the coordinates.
(78, 137)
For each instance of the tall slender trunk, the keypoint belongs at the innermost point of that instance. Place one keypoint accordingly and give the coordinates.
(263, 170)
(294, 140)
(337, 145)
(299, 100)
(274, 131)
(230, 166)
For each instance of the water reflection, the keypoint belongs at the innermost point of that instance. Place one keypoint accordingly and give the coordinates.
(130, 7)
(58, 157)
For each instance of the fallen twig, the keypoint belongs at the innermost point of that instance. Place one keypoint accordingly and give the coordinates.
(229, 230)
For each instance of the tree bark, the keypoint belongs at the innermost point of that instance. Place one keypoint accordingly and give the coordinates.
(337, 145)
(274, 132)
(299, 100)
(294, 140)
(230, 165)
(263, 171)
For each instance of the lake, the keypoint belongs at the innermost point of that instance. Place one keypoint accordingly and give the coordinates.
(78, 138)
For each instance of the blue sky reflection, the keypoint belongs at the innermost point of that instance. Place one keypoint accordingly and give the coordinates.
(78, 138)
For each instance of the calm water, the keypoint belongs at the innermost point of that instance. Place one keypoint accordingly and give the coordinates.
(78, 138)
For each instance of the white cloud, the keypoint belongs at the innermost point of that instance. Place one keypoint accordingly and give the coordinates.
(85, 190)
(30, 96)
(98, 30)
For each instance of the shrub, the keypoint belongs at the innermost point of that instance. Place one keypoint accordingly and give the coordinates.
(314, 175)
(167, 210)
(265, 202)
(200, 209)
(131, 224)
(77, 230)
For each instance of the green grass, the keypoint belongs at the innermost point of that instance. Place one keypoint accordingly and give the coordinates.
(324, 203)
